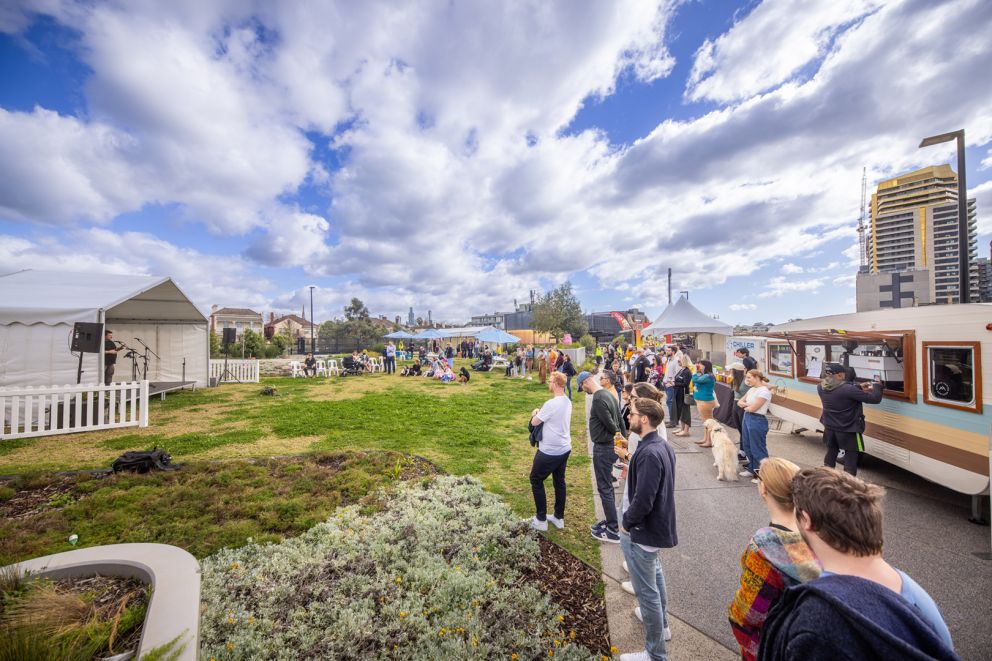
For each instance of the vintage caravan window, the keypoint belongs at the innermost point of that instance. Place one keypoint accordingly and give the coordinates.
(780, 359)
(953, 373)
(868, 357)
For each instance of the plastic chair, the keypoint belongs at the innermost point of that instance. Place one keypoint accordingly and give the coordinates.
(332, 367)
(321, 368)
(297, 368)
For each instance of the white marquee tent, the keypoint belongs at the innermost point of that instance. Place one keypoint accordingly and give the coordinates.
(684, 318)
(38, 310)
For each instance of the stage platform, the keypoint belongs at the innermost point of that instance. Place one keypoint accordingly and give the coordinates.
(163, 387)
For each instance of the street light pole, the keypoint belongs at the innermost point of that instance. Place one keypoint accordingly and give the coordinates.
(964, 243)
(313, 344)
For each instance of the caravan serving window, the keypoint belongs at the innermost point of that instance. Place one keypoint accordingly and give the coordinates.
(952, 371)
(888, 359)
(780, 359)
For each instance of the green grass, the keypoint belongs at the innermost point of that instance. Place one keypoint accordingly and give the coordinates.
(202, 507)
(478, 429)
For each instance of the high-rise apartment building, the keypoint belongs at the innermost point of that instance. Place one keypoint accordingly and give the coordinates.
(912, 242)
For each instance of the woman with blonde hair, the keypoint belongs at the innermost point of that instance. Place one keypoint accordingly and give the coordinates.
(776, 558)
(681, 385)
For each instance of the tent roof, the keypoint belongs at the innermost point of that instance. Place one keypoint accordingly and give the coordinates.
(56, 297)
(683, 317)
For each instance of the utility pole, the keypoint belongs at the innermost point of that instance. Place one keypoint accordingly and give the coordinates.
(669, 285)
(313, 343)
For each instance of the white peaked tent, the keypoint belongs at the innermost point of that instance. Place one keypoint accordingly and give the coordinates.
(38, 310)
(682, 318)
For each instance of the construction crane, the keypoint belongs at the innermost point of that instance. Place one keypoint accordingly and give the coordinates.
(862, 239)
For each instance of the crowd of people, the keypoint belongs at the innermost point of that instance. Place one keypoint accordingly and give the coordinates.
(814, 583)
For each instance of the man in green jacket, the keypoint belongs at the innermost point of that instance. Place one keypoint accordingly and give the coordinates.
(604, 426)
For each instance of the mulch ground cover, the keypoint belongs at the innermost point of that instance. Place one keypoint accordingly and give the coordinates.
(575, 587)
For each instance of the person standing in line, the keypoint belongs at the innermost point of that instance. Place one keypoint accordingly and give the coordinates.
(754, 428)
(552, 360)
(860, 607)
(744, 355)
(599, 355)
(109, 357)
(648, 524)
(552, 454)
(681, 384)
(668, 381)
(542, 366)
(390, 358)
(843, 415)
(740, 388)
(776, 558)
(604, 428)
(569, 371)
(703, 383)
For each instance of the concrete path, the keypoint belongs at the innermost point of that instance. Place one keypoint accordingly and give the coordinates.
(927, 534)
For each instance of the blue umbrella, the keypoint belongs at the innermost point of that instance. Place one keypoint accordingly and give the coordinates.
(497, 336)
(430, 334)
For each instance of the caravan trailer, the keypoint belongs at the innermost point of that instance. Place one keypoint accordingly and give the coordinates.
(935, 416)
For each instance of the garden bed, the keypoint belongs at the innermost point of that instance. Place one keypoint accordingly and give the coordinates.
(73, 618)
(443, 570)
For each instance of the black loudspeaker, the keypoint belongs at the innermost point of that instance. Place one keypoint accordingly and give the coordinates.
(86, 337)
(230, 336)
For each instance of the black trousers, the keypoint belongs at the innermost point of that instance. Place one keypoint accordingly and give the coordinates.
(850, 442)
(603, 458)
(544, 465)
(108, 373)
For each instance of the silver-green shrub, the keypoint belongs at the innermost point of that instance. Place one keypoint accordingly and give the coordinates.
(436, 575)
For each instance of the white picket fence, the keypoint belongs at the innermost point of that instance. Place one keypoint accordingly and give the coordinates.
(238, 370)
(47, 410)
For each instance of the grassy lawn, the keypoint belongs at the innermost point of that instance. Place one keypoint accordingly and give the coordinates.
(477, 429)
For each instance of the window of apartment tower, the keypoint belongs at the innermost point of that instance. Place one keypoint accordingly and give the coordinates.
(952, 373)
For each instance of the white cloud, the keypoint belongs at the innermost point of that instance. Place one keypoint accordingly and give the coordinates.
(790, 269)
(779, 286)
(742, 306)
(983, 201)
(769, 46)
(457, 189)
(845, 280)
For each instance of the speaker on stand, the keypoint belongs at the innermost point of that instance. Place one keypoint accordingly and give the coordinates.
(230, 336)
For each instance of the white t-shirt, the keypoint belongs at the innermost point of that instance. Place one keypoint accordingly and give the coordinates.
(556, 436)
(758, 392)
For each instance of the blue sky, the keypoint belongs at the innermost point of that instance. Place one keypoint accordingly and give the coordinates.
(454, 156)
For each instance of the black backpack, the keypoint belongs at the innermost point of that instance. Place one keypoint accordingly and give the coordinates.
(143, 461)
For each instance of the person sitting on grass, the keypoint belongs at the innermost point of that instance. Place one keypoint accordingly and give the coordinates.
(464, 376)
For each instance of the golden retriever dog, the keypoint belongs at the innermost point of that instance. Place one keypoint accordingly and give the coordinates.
(724, 452)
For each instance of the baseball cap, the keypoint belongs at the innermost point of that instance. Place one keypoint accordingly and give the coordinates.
(834, 368)
(582, 377)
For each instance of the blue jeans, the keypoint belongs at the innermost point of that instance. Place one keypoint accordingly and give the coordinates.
(568, 386)
(649, 584)
(754, 431)
(670, 403)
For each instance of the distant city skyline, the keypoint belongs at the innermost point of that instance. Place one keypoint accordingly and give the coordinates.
(454, 157)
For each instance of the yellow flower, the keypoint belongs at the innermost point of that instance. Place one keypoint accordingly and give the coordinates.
(571, 634)
(399, 580)
(551, 652)
(402, 613)
(230, 646)
(561, 618)
(513, 656)
(230, 620)
(251, 620)
(614, 650)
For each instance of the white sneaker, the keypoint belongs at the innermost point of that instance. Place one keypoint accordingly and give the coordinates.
(667, 633)
(538, 525)
(625, 567)
(635, 656)
(628, 587)
(745, 473)
(558, 523)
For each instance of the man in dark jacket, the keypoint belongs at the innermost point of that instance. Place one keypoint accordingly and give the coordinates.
(861, 607)
(604, 425)
(648, 516)
(843, 416)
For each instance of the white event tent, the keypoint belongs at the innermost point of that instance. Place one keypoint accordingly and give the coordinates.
(683, 318)
(38, 310)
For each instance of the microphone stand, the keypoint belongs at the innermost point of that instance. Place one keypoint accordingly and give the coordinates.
(148, 350)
